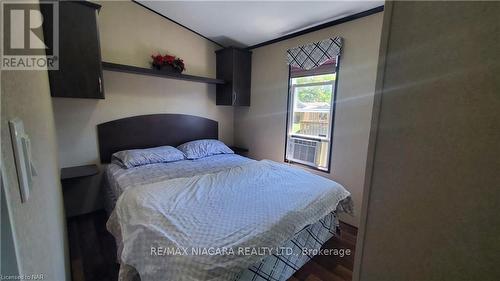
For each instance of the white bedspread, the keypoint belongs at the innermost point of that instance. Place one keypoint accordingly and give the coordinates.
(258, 205)
(120, 179)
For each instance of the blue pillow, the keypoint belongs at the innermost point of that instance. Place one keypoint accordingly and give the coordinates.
(138, 157)
(203, 148)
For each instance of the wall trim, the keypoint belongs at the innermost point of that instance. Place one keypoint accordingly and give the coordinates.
(321, 26)
(169, 19)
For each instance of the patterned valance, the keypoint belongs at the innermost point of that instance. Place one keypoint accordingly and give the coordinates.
(313, 55)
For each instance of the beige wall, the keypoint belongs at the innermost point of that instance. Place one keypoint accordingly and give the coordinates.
(129, 34)
(39, 224)
(433, 204)
(261, 127)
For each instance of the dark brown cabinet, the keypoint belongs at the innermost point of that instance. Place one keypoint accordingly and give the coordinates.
(80, 70)
(234, 66)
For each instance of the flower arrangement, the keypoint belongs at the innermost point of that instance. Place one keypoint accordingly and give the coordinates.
(168, 61)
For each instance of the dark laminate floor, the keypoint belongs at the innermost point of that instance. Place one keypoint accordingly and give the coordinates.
(93, 253)
(331, 268)
(92, 248)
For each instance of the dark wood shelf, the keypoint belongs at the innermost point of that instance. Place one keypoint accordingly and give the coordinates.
(79, 171)
(239, 150)
(158, 73)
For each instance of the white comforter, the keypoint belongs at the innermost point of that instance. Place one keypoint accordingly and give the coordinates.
(221, 216)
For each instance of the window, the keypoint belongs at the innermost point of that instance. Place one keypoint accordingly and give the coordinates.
(311, 116)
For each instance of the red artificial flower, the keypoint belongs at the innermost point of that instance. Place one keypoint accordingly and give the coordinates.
(167, 59)
(157, 60)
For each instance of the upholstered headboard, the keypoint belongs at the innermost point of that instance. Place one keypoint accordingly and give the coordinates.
(145, 131)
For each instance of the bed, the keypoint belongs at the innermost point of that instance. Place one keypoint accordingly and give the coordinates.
(222, 217)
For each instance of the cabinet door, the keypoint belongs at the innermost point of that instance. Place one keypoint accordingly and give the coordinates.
(225, 64)
(242, 77)
(80, 70)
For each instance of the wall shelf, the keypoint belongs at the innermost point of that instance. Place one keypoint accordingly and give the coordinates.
(153, 72)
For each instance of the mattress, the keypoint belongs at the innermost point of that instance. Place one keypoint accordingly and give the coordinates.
(269, 267)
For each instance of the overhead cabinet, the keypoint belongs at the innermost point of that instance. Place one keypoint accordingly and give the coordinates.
(80, 70)
(234, 66)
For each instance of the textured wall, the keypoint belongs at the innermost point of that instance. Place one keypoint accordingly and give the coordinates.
(38, 224)
(261, 127)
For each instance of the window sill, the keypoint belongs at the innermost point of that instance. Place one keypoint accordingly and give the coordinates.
(307, 166)
(306, 137)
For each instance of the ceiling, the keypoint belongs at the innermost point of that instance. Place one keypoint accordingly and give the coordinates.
(247, 23)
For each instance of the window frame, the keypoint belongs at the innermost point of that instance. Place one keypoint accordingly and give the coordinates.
(292, 107)
(289, 111)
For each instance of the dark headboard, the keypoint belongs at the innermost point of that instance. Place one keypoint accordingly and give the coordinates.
(145, 131)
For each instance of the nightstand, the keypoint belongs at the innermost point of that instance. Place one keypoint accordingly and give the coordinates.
(239, 150)
(81, 190)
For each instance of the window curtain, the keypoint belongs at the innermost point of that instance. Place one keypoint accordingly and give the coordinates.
(326, 68)
(315, 54)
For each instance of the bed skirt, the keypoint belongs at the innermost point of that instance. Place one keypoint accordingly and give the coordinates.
(300, 249)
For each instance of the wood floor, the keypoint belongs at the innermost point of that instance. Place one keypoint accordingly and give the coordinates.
(93, 253)
(331, 268)
(92, 248)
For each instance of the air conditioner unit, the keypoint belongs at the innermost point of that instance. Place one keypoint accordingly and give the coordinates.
(303, 151)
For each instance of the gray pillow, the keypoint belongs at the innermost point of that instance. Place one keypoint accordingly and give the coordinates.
(203, 148)
(138, 157)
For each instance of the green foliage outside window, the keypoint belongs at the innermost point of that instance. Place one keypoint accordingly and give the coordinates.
(319, 93)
